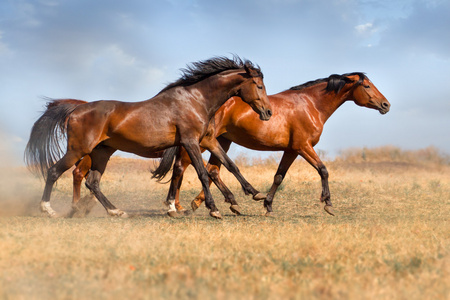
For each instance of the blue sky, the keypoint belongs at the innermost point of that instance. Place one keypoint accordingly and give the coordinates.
(129, 50)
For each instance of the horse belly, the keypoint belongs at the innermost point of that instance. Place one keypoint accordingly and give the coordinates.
(143, 143)
(258, 140)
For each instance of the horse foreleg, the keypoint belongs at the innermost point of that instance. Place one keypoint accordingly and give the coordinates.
(100, 156)
(311, 156)
(193, 150)
(213, 168)
(285, 163)
(214, 175)
(213, 172)
(216, 149)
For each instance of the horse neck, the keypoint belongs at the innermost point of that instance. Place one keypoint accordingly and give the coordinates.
(327, 102)
(219, 88)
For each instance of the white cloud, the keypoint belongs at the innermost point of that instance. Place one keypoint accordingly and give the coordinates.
(364, 28)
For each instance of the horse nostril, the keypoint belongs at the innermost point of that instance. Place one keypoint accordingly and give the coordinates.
(269, 112)
(385, 105)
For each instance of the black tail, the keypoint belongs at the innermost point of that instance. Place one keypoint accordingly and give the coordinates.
(165, 164)
(49, 131)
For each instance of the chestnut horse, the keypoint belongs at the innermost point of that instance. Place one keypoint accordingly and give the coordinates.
(299, 115)
(177, 116)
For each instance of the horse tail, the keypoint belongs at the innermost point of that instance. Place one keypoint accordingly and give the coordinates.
(44, 147)
(165, 164)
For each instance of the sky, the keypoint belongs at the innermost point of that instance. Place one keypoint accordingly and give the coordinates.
(130, 50)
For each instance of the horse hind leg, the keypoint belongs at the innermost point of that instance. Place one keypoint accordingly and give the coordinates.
(213, 168)
(81, 206)
(285, 163)
(311, 156)
(173, 197)
(54, 172)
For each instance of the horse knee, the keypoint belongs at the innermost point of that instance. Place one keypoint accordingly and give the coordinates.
(278, 179)
(204, 178)
(323, 172)
(214, 171)
(92, 182)
(77, 175)
(233, 168)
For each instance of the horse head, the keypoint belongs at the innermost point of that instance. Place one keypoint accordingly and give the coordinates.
(253, 91)
(365, 93)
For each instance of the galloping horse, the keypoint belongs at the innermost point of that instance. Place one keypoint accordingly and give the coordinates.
(83, 166)
(299, 115)
(178, 115)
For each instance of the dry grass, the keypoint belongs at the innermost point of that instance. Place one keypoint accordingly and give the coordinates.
(389, 240)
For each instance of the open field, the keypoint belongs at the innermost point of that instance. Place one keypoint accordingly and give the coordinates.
(390, 238)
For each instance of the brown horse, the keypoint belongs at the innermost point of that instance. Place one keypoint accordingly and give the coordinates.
(177, 116)
(299, 115)
(82, 167)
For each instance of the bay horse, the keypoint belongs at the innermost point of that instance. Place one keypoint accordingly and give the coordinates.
(83, 166)
(178, 115)
(299, 115)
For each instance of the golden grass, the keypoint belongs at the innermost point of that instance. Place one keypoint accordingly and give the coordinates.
(389, 240)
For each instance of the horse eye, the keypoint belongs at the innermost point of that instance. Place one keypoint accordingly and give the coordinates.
(367, 86)
(259, 87)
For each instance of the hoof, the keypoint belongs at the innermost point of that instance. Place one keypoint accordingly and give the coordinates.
(329, 209)
(52, 215)
(215, 214)
(194, 205)
(180, 208)
(260, 196)
(173, 214)
(124, 215)
(235, 209)
(118, 213)
(269, 214)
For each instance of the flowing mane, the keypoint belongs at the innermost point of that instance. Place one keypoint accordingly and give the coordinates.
(200, 70)
(334, 82)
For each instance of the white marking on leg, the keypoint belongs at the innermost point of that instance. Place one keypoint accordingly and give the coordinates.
(45, 207)
(172, 207)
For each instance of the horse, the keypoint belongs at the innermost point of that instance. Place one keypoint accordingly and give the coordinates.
(82, 167)
(178, 115)
(299, 115)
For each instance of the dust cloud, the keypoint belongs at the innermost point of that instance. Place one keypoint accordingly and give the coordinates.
(19, 189)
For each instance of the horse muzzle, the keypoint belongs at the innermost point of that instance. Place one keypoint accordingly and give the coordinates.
(384, 107)
(265, 115)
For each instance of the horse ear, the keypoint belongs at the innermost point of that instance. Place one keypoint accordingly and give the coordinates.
(251, 71)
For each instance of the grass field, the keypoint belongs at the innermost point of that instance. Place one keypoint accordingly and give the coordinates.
(390, 238)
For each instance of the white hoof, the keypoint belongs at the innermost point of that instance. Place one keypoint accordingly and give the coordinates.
(46, 208)
(117, 213)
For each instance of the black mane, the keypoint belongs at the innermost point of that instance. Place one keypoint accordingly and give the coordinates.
(334, 82)
(200, 70)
